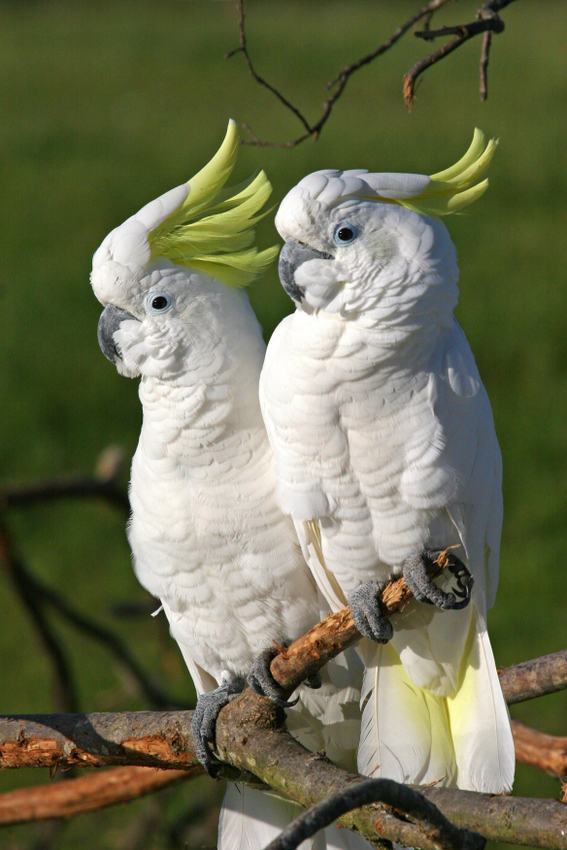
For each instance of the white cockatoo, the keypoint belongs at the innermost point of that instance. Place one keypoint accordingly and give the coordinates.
(207, 536)
(386, 454)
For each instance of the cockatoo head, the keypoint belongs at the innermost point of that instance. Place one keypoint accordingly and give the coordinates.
(161, 272)
(356, 242)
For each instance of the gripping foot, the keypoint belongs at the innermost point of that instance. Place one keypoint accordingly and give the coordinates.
(366, 613)
(205, 718)
(262, 682)
(425, 590)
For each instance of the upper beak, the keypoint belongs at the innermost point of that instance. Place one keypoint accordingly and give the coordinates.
(110, 320)
(292, 255)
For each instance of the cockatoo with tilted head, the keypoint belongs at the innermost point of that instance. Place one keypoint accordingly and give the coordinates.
(207, 536)
(386, 454)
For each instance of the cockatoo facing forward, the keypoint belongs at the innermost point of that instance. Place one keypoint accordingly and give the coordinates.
(385, 452)
(207, 536)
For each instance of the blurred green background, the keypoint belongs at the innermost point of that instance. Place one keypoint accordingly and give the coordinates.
(104, 106)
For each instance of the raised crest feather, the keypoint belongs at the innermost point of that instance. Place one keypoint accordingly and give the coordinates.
(213, 229)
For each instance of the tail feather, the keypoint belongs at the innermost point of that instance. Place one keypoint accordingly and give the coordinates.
(480, 722)
(405, 729)
(413, 734)
(250, 819)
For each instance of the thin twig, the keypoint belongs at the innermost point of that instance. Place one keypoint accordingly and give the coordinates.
(36, 595)
(483, 68)
(340, 81)
(66, 695)
(72, 487)
(399, 797)
(487, 22)
(155, 696)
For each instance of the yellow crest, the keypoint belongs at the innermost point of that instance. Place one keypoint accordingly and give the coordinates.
(213, 229)
(455, 188)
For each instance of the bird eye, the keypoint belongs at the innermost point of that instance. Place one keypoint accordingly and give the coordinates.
(345, 234)
(158, 302)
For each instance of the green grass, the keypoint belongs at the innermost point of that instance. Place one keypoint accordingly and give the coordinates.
(106, 105)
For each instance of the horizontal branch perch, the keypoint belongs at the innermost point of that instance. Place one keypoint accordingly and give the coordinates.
(87, 793)
(389, 793)
(536, 678)
(145, 738)
(248, 738)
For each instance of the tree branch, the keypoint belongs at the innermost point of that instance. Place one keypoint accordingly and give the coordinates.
(487, 22)
(536, 678)
(87, 793)
(65, 692)
(340, 81)
(103, 484)
(337, 632)
(249, 738)
(391, 794)
(545, 752)
(35, 595)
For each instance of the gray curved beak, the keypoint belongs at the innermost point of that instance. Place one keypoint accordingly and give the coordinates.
(292, 255)
(110, 320)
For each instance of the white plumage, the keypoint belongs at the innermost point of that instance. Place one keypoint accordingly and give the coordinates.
(207, 536)
(384, 447)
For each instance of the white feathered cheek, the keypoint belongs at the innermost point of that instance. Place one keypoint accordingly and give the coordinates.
(322, 283)
(150, 348)
(129, 344)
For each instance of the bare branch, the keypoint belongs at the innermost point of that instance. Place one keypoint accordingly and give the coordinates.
(65, 692)
(487, 22)
(545, 752)
(483, 68)
(87, 793)
(71, 487)
(145, 738)
(337, 632)
(532, 679)
(392, 794)
(35, 595)
(340, 81)
(248, 735)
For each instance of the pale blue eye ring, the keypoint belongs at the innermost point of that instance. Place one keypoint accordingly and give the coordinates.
(158, 302)
(345, 233)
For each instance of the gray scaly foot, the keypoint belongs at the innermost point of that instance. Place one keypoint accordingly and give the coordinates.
(205, 718)
(262, 682)
(366, 613)
(425, 590)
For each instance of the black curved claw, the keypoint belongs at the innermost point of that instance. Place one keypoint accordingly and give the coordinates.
(465, 581)
(314, 681)
(262, 682)
(366, 613)
(424, 588)
(204, 721)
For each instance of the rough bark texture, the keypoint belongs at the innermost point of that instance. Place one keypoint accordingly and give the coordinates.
(337, 632)
(87, 793)
(546, 752)
(146, 738)
(249, 737)
(516, 820)
(531, 679)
